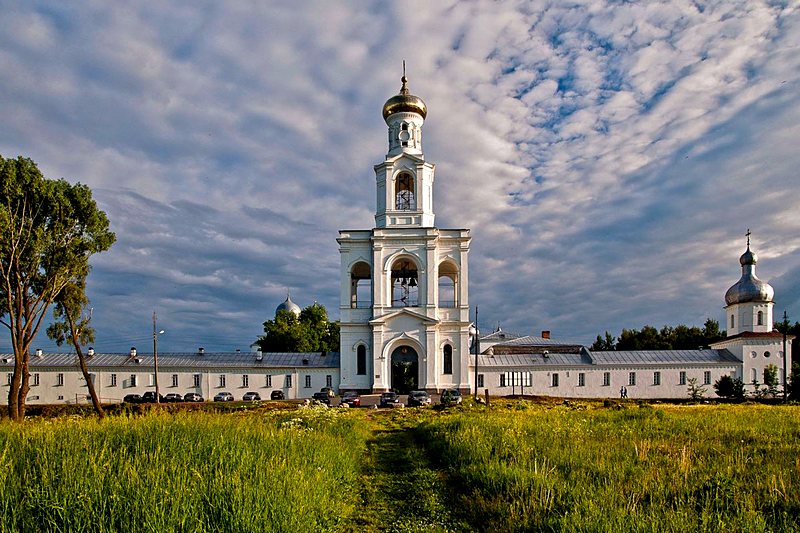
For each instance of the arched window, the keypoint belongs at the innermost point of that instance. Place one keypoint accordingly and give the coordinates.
(404, 193)
(760, 318)
(447, 363)
(360, 286)
(361, 360)
(405, 291)
(732, 321)
(448, 283)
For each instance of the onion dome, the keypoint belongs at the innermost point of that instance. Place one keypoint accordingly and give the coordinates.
(404, 102)
(288, 305)
(749, 288)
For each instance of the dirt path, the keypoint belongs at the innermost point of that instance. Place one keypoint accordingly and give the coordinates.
(401, 490)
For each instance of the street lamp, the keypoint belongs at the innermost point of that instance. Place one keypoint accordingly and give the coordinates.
(477, 352)
(156, 333)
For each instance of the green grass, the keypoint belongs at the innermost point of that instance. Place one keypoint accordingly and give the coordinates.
(513, 467)
(184, 472)
(701, 468)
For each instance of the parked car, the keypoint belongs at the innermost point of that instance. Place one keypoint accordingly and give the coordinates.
(450, 397)
(389, 399)
(223, 397)
(132, 398)
(322, 397)
(251, 397)
(329, 391)
(418, 398)
(150, 397)
(351, 398)
(192, 397)
(173, 397)
(277, 395)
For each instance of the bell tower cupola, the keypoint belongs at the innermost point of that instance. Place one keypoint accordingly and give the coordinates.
(404, 179)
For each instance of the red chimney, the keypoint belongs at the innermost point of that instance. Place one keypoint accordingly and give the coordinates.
(545, 333)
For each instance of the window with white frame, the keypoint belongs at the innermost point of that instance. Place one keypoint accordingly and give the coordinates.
(308, 381)
(59, 379)
(195, 380)
(245, 380)
(174, 380)
(707, 377)
(222, 380)
(631, 379)
(656, 378)
(760, 318)
(480, 380)
(152, 379)
(555, 380)
(8, 382)
(502, 379)
(113, 380)
(329, 380)
(288, 382)
(606, 379)
(682, 378)
(268, 383)
(133, 380)
(753, 375)
(581, 379)
(35, 380)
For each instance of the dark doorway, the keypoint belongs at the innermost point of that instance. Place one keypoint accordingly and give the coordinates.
(405, 369)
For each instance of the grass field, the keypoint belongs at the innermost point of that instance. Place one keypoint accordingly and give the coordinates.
(513, 467)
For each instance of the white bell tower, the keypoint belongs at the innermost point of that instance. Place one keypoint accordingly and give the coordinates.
(404, 284)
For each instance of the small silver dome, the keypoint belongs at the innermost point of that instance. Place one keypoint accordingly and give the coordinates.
(749, 288)
(288, 305)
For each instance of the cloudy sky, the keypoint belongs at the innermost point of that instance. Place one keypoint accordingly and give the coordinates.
(608, 156)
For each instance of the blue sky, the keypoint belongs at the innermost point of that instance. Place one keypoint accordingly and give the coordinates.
(607, 156)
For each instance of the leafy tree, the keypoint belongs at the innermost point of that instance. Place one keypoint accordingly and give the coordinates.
(50, 228)
(680, 337)
(771, 379)
(794, 382)
(72, 326)
(604, 344)
(728, 387)
(696, 392)
(309, 332)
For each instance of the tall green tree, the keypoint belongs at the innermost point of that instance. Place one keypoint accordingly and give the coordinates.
(50, 229)
(72, 325)
(309, 332)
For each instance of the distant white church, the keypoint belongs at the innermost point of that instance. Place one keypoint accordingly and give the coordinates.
(404, 308)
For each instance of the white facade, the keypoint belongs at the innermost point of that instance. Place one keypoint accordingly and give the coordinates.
(404, 301)
(56, 378)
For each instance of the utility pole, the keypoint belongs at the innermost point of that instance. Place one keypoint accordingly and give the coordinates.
(477, 350)
(155, 355)
(785, 330)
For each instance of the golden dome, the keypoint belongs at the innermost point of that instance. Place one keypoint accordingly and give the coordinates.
(404, 103)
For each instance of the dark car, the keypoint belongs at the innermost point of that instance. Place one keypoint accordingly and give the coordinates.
(132, 398)
(150, 397)
(389, 399)
(223, 397)
(418, 398)
(450, 397)
(251, 397)
(277, 395)
(322, 397)
(329, 391)
(192, 397)
(351, 398)
(173, 397)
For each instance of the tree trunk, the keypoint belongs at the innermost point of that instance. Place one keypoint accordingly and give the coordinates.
(98, 408)
(18, 389)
